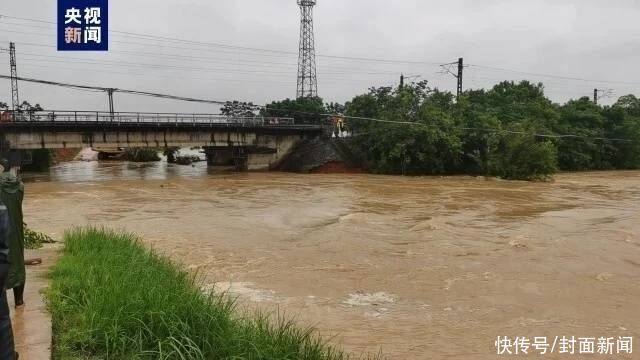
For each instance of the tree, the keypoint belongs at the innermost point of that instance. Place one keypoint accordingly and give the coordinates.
(414, 139)
(28, 108)
(582, 118)
(237, 109)
(623, 125)
(518, 154)
(629, 150)
(307, 110)
(630, 103)
(511, 130)
(335, 108)
(485, 115)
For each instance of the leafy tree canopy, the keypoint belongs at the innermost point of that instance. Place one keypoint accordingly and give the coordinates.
(506, 131)
(304, 110)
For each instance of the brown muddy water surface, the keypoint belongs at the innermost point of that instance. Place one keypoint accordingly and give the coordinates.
(417, 268)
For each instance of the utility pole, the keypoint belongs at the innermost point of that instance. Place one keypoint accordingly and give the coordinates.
(110, 93)
(15, 101)
(447, 69)
(601, 93)
(460, 67)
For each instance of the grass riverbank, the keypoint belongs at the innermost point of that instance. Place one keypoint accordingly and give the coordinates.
(111, 298)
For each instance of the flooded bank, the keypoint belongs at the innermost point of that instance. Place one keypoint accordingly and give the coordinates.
(418, 268)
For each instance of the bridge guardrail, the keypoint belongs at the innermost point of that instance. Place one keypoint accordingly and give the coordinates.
(132, 118)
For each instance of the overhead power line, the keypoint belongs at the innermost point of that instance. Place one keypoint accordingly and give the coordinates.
(553, 76)
(244, 61)
(228, 46)
(123, 91)
(367, 59)
(163, 38)
(266, 82)
(270, 52)
(339, 70)
(262, 63)
(492, 130)
(252, 70)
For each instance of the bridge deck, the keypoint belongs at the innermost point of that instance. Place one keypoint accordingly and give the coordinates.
(58, 121)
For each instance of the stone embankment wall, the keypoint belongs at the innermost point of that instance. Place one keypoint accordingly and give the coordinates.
(319, 155)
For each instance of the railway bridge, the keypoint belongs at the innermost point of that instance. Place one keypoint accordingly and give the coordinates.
(257, 143)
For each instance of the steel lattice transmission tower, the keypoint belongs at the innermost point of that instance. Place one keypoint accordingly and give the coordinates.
(307, 79)
(15, 101)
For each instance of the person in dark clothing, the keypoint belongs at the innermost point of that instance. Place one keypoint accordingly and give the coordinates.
(7, 349)
(11, 194)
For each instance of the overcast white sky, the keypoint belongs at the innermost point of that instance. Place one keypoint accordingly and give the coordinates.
(587, 39)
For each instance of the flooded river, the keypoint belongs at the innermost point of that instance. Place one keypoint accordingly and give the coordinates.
(417, 268)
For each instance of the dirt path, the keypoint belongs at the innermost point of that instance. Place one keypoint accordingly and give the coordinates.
(32, 324)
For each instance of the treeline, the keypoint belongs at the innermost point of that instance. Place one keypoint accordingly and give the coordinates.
(512, 131)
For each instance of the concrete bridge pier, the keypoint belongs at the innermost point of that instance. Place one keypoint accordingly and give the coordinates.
(18, 158)
(244, 158)
(228, 156)
(219, 156)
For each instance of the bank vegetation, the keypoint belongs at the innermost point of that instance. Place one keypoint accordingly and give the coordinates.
(111, 298)
(512, 131)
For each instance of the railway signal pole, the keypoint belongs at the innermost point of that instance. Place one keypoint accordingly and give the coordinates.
(110, 93)
(460, 67)
(601, 93)
(458, 75)
(15, 101)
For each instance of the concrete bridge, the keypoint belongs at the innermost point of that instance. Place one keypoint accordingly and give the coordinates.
(252, 143)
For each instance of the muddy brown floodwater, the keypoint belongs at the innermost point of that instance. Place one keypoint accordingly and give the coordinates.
(417, 268)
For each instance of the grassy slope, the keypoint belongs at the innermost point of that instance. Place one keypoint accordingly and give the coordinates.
(110, 298)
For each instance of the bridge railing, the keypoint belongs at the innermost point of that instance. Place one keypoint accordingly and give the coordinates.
(140, 117)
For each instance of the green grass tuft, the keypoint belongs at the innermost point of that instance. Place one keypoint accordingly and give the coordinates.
(111, 298)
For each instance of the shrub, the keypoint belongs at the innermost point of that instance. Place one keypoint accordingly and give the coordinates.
(523, 157)
(34, 240)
